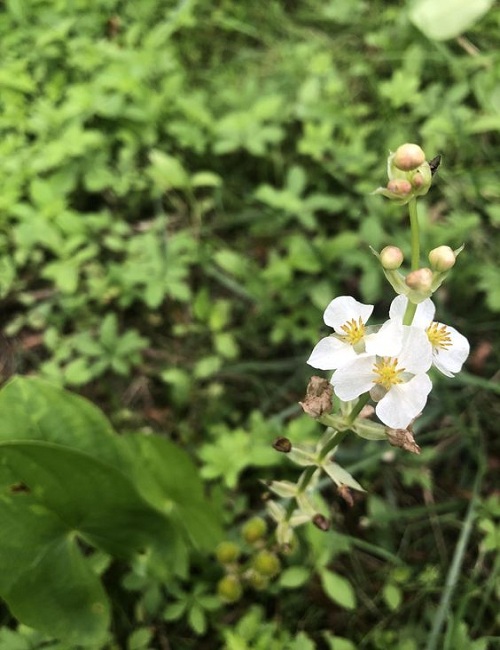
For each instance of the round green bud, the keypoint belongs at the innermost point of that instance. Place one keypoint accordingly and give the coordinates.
(442, 258)
(266, 563)
(420, 280)
(391, 257)
(254, 530)
(408, 156)
(229, 588)
(227, 552)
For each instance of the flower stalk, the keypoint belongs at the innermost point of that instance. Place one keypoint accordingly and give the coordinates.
(378, 369)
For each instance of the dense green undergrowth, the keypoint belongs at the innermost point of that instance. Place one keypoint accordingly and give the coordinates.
(184, 188)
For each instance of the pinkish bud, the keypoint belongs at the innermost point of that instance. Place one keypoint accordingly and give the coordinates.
(399, 186)
(408, 157)
(442, 258)
(419, 280)
(418, 180)
(391, 257)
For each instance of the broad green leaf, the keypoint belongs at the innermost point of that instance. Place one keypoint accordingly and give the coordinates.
(44, 578)
(447, 18)
(338, 589)
(167, 478)
(34, 409)
(90, 497)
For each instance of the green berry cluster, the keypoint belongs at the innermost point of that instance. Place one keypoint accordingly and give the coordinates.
(248, 563)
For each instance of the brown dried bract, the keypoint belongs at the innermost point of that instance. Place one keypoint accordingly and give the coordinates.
(321, 522)
(318, 399)
(403, 438)
(346, 494)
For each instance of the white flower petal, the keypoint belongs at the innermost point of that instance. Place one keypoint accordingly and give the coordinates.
(416, 353)
(398, 307)
(354, 379)
(423, 315)
(331, 353)
(450, 360)
(404, 402)
(387, 342)
(344, 309)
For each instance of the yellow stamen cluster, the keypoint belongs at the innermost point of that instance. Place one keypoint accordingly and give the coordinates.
(388, 372)
(439, 336)
(354, 331)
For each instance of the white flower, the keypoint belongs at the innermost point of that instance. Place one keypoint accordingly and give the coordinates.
(352, 337)
(449, 348)
(399, 384)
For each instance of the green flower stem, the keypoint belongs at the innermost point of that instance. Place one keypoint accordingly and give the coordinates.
(415, 256)
(334, 441)
(409, 313)
(415, 235)
(362, 401)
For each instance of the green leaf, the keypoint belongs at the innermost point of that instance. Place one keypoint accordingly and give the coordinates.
(34, 409)
(168, 479)
(447, 18)
(338, 589)
(44, 579)
(340, 476)
(392, 596)
(197, 619)
(167, 172)
(338, 643)
(139, 639)
(92, 498)
(293, 577)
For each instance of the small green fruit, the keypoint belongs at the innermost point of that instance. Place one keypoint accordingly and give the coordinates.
(229, 589)
(254, 529)
(267, 563)
(227, 552)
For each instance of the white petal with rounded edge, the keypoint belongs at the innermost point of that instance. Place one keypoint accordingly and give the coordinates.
(344, 309)
(423, 315)
(387, 342)
(331, 353)
(404, 402)
(416, 353)
(450, 360)
(354, 379)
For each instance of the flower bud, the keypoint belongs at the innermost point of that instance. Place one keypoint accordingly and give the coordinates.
(266, 563)
(391, 257)
(254, 529)
(399, 187)
(229, 588)
(408, 157)
(227, 552)
(420, 280)
(442, 258)
(283, 445)
(418, 181)
(321, 522)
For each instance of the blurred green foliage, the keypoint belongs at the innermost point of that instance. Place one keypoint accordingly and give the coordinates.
(184, 188)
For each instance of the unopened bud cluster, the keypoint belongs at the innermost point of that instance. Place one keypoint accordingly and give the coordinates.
(421, 283)
(248, 563)
(409, 174)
